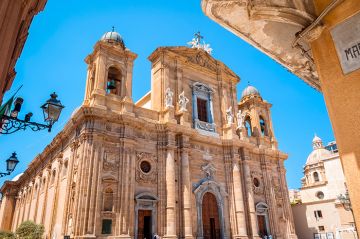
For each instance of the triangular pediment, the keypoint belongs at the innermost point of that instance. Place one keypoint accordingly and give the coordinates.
(195, 57)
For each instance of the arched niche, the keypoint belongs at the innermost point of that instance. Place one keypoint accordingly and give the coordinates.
(263, 126)
(215, 189)
(114, 81)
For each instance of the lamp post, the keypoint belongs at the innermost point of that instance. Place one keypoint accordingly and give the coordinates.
(11, 163)
(345, 201)
(9, 123)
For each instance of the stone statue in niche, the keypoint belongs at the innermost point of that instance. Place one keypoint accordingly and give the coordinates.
(169, 98)
(240, 119)
(183, 101)
(229, 115)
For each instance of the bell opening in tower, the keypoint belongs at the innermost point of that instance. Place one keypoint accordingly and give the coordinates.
(114, 81)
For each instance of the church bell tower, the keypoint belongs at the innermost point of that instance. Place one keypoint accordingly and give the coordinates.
(256, 116)
(109, 78)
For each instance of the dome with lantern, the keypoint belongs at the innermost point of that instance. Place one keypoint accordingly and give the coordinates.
(114, 38)
(250, 90)
(318, 153)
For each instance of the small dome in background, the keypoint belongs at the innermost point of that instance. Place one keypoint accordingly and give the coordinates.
(317, 142)
(113, 37)
(250, 90)
(318, 153)
(17, 177)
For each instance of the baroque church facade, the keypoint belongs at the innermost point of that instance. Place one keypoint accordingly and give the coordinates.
(185, 161)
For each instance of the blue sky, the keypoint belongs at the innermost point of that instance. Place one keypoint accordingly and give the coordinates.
(65, 33)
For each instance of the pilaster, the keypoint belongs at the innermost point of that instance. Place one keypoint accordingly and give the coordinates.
(170, 189)
(186, 189)
(250, 198)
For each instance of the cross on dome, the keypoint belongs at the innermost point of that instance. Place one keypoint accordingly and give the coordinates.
(196, 43)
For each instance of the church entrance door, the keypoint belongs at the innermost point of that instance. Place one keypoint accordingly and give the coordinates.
(210, 217)
(262, 225)
(144, 224)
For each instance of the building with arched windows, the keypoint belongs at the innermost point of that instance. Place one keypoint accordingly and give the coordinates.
(318, 212)
(186, 160)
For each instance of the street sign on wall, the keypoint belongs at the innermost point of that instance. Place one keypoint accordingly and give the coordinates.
(346, 37)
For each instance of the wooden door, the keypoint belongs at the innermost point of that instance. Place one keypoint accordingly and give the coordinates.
(262, 225)
(144, 224)
(210, 217)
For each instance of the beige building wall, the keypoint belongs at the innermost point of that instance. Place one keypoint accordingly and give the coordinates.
(15, 20)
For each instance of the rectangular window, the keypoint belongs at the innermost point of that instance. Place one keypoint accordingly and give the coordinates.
(321, 228)
(106, 226)
(202, 110)
(318, 214)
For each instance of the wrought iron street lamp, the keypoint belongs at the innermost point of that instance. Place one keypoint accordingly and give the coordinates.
(9, 123)
(10, 165)
(345, 201)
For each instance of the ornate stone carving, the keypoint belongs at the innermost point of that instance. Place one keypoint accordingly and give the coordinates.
(204, 125)
(111, 161)
(203, 61)
(149, 175)
(277, 191)
(209, 170)
(199, 87)
(257, 182)
(196, 43)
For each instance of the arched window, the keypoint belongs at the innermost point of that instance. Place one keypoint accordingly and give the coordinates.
(53, 176)
(113, 85)
(108, 200)
(316, 177)
(64, 169)
(35, 190)
(247, 124)
(43, 185)
(263, 128)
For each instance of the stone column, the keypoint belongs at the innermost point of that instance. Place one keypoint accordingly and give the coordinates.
(81, 185)
(287, 206)
(16, 214)
(90, 189)
(56, 196)
(7, 209)
(170, 194)
(37, 197)
(46, 189)
(239, 202)
(70, 179)
(186, 193)
(250, 198)
(95, 189)
(125, 206)
(31, 195)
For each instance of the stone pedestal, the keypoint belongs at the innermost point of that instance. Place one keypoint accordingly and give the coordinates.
(183, 117)
(168, 115)
(229, 131)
